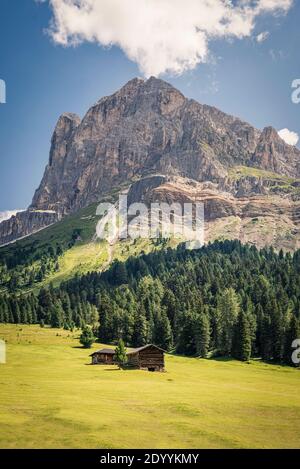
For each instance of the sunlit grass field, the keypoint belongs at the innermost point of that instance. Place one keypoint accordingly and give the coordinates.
(51, 397)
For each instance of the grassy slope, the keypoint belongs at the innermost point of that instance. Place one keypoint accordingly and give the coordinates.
(95, 257)
(243, 171)
(280, 183)
(51, 397)
(61, 232)
(87, 254)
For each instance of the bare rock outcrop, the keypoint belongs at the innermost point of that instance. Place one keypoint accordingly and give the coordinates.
(24, 223)
(149, 128)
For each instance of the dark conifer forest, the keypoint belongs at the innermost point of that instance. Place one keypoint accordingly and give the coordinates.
(224, 300)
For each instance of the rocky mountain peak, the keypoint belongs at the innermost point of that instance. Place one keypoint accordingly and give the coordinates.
(64, 130)
(151, 86)
(270, 134)
(273, 154)
(148, 127)
(138, 95)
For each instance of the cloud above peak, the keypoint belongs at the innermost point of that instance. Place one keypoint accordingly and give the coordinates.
(288, 136)
(159, 35)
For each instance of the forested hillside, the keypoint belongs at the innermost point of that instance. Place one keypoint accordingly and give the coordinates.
(225, 299)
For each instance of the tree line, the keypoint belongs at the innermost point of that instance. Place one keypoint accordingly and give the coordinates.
(225, 299)
(24, 266)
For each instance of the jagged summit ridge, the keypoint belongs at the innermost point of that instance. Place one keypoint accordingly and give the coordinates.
(148, 127)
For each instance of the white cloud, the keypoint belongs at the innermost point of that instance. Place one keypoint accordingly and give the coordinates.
(6, 215)
(283, 5)
(262, 36)
(159, 35)
(288, 136)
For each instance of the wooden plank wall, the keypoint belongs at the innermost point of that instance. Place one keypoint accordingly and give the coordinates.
(150, 357)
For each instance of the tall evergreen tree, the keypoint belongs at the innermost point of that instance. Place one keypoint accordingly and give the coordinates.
(228, 305)
(56, 314)
(202, 333)
(163, 336)
(120, 354)
(87, 337)
(141, 331)
(266, 346)
(242, 338)
(186, 342)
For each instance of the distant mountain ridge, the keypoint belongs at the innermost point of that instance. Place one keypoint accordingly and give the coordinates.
(149, 128)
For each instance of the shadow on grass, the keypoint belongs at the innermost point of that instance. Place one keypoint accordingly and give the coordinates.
(222, 359)
(113, 369)
(82, 347)
(213, 358)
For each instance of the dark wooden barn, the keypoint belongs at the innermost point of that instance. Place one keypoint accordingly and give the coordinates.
(103, 357)
(150, 357)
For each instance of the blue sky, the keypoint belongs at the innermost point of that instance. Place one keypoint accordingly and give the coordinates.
(44, 79)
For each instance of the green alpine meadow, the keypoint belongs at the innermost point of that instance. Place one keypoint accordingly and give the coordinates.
(150, 276)
(52, 397)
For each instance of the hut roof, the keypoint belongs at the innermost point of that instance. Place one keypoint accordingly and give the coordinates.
(105, 351)
(109, 351)
(136, 350)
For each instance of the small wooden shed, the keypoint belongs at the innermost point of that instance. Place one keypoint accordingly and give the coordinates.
(103, 357)
(149, 357)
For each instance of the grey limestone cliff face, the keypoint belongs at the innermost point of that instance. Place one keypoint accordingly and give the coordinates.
(51, 193)
(273, 154)
(25, 223)
(148, 127)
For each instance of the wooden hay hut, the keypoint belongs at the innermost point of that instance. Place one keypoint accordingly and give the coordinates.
(149, 357)
(103, 357)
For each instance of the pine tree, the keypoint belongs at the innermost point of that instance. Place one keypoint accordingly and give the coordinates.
(87, 337)
(259, 315)
(266, 338)
(186, 342)
(128, 324)
(16, 311)
(120, 354)
(66, 305)
(46, 302)
(277, 331)
(242, 338)
(228, 305)
(169, 301)
(106, 312)
(163, 336)
(120, 273)
(202, 331)
(141, 331)
(94, 319)
(56, 315)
